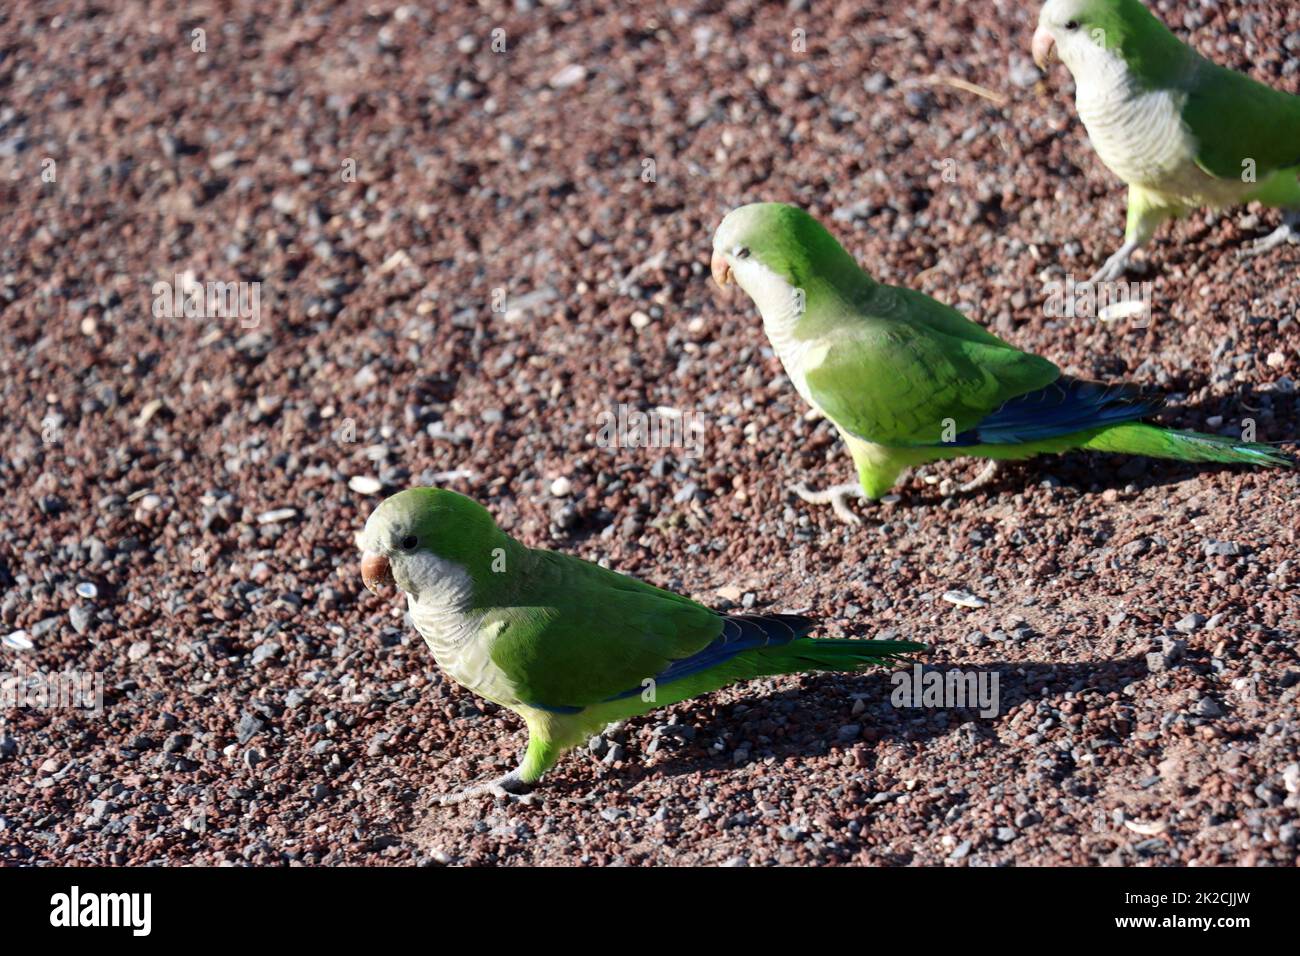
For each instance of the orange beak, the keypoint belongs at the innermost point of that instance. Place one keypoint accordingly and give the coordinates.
(720, 269)
(1042, 48)
(375, 571)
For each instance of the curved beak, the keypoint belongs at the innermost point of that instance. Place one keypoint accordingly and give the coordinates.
(720, 269)
(1043, 45)
(375, 571)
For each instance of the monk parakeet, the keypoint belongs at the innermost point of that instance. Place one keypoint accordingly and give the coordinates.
(907, 380)
(566, 644)
(1181, 131)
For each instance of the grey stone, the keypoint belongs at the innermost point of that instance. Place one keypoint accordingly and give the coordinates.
(81, 617)
(249, 727)
(1208, 707)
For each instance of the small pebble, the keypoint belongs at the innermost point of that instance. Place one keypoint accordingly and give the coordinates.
(571, 75)
(362, 485)
(18, 640)
(80, 616)
(1208, 707)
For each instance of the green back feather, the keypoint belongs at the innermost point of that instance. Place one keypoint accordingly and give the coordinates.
(573, 634)
(1240, 124)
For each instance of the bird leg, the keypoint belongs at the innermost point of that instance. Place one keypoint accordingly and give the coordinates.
(1289, 231)
(835, 496)
(1116, 265)
(983, 478)
(508, 787)
(540, 756)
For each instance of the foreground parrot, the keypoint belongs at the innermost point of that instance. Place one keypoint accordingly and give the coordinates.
(907, 380)
(1181, 131)
(566, 644)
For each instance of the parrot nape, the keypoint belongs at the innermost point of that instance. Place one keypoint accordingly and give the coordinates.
(907, 380)
(566, 644)
(1181, 131)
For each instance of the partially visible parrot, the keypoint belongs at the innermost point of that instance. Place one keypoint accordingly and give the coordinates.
(907, 380)
(566, 644)
(1181, 131)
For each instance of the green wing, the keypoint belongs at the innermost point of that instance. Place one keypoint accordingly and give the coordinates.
(894, 375)
(577, 634)
(1235, 119)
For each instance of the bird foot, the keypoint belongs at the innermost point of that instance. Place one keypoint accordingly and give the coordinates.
(1288, 232)
(509, 787)
(1116, 265)
(989, 472)
(836, 496)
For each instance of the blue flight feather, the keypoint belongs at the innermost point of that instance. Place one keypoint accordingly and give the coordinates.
(739, 634)
(1066, 406)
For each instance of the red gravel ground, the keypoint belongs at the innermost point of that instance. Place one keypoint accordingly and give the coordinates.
(260, 707)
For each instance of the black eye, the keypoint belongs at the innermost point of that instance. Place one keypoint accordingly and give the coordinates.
(742, 253)
(409, 542)
(1072, 25)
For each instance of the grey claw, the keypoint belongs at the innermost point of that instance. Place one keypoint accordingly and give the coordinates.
(989, 472)
(834, 496)
(508, 787)
(1281, 236)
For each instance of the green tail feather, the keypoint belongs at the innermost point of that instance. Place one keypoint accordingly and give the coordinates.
(802, 655)
(1156, 442)
(829, 654)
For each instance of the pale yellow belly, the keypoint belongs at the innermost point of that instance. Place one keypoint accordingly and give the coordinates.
(1144, 141)
(462, 649)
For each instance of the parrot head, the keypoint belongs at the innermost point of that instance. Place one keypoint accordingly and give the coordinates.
(773, 249)
(424, 539)
(1087, 34)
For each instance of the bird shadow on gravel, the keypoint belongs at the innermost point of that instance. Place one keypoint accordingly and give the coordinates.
(1088, 472)
(807, 710)
(1079, 471)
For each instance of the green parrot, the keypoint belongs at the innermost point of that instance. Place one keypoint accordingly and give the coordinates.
(1180, 131)
(907, 380)
(566, 644)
